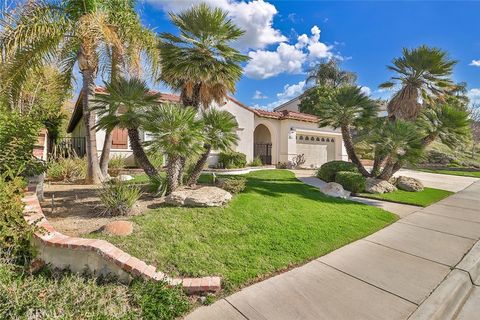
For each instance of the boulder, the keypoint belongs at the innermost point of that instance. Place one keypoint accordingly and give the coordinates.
(118, 228)
(334, 189)
(201, 197)
(378, 186)
(409, 184)
(124, 177)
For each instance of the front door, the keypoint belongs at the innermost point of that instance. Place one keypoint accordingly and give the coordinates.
(264, 152)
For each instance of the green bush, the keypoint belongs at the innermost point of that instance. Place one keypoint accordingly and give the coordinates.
(53, 294)
(351, 181)
(232, 160)
(18, 136)
(282, 165)
(118, 198)
(156, 158)
(232, 184)
(15, 232)
(328, 170)
(67, 169)
(438, 157)
(116, 163)
(256, 162)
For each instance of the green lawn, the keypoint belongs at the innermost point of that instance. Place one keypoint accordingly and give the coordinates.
(422, 198)
(276, 223)
(463, 173)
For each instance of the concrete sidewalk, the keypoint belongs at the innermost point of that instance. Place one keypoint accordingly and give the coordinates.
(386, 275)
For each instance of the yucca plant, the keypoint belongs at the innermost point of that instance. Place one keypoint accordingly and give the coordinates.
(118, 198)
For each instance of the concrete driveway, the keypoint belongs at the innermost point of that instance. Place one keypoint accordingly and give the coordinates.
(386, 275)
(439, 181)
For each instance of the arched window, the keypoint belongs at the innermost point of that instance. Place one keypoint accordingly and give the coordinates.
(301, 137)
(318, 139)
(332, 140)
(323, 139)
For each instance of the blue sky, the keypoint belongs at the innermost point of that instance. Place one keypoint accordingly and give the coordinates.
(284, 38)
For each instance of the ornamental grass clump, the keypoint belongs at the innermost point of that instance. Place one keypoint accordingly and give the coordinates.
(67, 169)
(118, 198)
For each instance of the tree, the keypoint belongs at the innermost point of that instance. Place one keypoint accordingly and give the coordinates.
(475, 126)
(124, 105)
(71, 32)
(329, 74)
(347, 108)
(219, 133)
(423, 75)
(176, 132)
(199, 63)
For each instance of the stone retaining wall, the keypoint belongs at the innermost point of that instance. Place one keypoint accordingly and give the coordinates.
(98, 256)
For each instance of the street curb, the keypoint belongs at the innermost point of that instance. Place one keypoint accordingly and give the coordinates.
(449, 297)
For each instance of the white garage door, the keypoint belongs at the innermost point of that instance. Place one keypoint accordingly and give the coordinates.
(317, 150)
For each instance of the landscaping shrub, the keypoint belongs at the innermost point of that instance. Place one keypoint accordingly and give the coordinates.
(282, 165)
(328, 170)
(233, 184)
(67, 169)
(116, 164)
(118, 197)
(232, 159)
(351, 181)
(438, 157)
(156, 158)
(158, 185)
(18, 135)
(256, 162)
(15, 232)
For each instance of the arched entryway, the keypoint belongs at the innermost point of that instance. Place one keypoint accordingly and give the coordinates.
(262, 144)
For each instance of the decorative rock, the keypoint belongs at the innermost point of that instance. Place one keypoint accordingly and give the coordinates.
(119, 228)
(124, 177)
(409, 184)
(202, 197)
(378, 186)
(334, 189)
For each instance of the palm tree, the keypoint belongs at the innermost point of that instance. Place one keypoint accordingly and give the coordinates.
(199, 63)
(176, 132)
(140, 45)
(124, 105)
(423, 75)
(220, 134)
(450, 124)
(347, 108)
(329, 74)
(70, 31)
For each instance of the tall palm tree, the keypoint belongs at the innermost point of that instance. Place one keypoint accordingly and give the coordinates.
(70, 31)
(347, 108)
(220, 134)
(124, 105)
(329, 74)
(199, 63)
(423, 75)
(176, 132)
(140, 49)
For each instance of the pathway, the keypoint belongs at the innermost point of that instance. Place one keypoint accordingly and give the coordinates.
(386, 275)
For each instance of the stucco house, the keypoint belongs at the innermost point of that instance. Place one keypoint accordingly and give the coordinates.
(274, 136)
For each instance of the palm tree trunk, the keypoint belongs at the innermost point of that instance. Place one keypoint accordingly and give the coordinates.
(94, 174)
(197, 171)
(173, 166)
(105, 156)
(347, 140)
(389, 170)
(139, 153)
(377, 164)
(181, 169)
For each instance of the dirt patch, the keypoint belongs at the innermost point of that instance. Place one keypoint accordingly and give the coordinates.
(76, 210)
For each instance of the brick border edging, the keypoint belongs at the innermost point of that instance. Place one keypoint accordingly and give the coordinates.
(33, 214)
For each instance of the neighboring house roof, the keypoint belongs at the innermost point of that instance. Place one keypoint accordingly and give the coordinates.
(288, 102)
(280, 115)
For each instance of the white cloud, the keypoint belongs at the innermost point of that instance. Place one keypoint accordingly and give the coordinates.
(475, 63)
(289, 92)
(366, 90)
(287, 58)
(255, 17)
(259, 95)
(474, 95)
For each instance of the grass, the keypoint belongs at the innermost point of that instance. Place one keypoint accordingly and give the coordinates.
(63, 295)
(456, 172)
(422, 198)
(277, 222)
